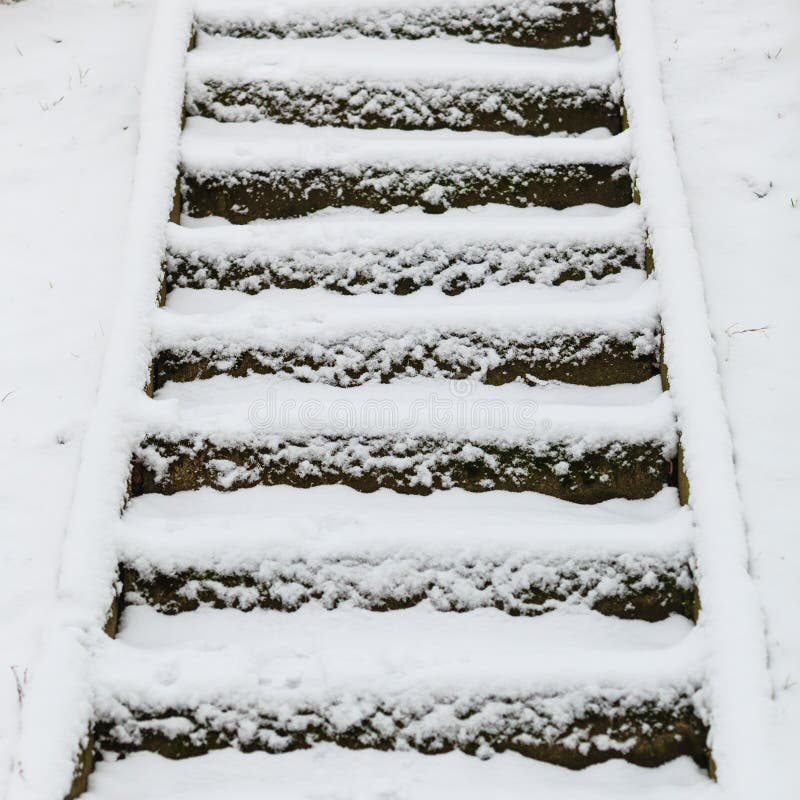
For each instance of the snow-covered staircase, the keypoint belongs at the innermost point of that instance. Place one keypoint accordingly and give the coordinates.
(409, 479)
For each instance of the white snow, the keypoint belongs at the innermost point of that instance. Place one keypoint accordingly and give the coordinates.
(629, 290)
(318, 650)
(737, 142)
(429, 61)
(363, 252)
(329, 773)
(208, 146)
(69, 99)
(343, 228)
(738, 687)
(460, 549)
(55, 716)
(255, 9)
(331, 521)
(264, 406)
(624, 308)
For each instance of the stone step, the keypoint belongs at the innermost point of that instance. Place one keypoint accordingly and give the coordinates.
(282, 548)
(594, 336)
(526, 23)
(243, 171)
(572, 689)
(424, 85)
(416, 436)
(355, 251)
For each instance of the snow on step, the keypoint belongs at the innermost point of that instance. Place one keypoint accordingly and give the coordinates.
(573, 689)
(528, 23)
(368, 83)
(414, 436)
(208, 145)
(594, 336)
(375, 775)
(249, 170)
(355, 251)
(281, 547)
(233, 60)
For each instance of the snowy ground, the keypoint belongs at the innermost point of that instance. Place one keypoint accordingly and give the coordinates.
(68, 103)
(68, 130)
(730, 72)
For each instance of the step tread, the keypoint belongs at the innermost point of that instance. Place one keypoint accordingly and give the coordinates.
(414, 436)
(356, 228)
(315, 652)
(431, 62)
(571, 688)
(281, 547)
(209, 146)
(623, 306)
(549, 24)
(242, 407)
(227, 531)
(357, 251)
(375, 775)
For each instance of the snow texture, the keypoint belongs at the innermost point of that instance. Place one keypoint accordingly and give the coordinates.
(265, 405)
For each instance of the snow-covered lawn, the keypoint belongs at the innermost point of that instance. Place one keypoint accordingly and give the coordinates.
(731, 73)
(70, 75)
(68, 129)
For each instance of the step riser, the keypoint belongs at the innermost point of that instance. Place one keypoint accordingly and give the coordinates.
(398, 271)
(281, 193)
(525, 110)
(516, 23)
(649, 732)
(525, 585)
(406, 465)
(590, 360)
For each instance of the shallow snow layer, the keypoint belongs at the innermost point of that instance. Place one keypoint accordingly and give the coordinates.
(624, 307)
(431, 61)
(340, 228)
(214, 654)
(228, 531)
(209, 146)
(264, 405)
(461, 549)
(256, 9)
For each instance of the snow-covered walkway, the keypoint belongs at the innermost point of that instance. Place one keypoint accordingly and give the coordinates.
(68, 130)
